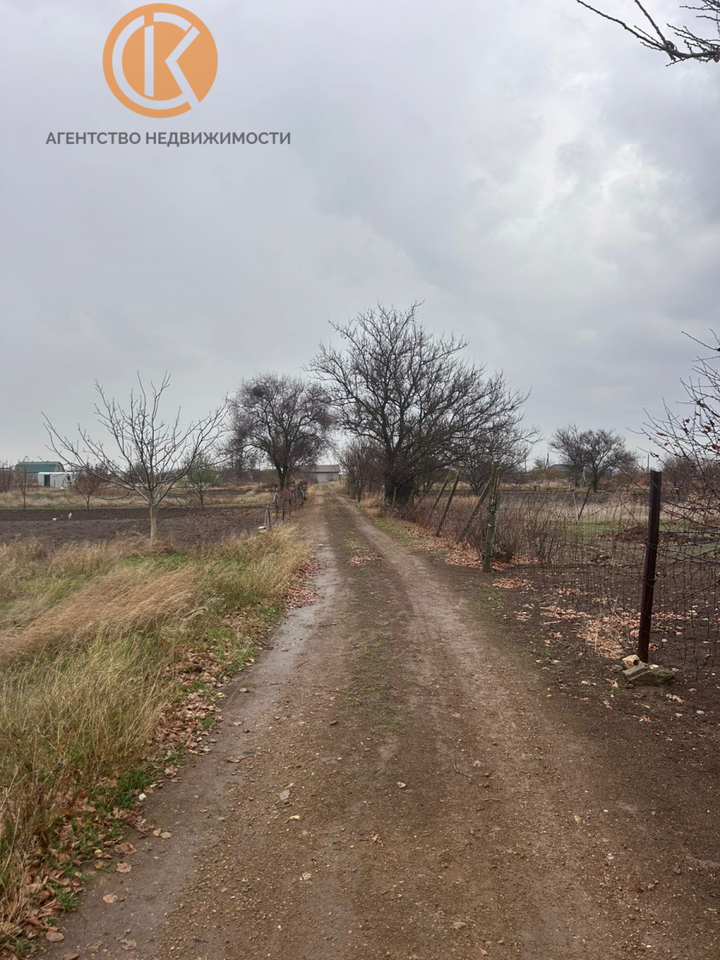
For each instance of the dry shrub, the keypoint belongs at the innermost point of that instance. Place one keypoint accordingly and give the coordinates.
(374, 504)
(608, 635)
(529, 527)
(267, 563)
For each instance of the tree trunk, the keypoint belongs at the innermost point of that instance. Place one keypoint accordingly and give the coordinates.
(399, 491)
(153, 522)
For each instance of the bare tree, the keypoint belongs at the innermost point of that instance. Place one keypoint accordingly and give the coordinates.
(687, 44)
(202, 476)
(407, 392)
(86, 483)
(507, 440)
(362, 462)
(592, 455)
(23, 480)
(689, 437)
(284, 420)
(149, 455)
(7, 476)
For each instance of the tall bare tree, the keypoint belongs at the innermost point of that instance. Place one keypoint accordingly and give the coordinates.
(686, 45)
(591, 455)
(409, 393)
(284, 420)
(148, 455)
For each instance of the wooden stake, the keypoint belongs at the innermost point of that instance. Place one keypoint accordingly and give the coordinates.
(475, 511)
(492, 517)
(447, 505)
(442, 491)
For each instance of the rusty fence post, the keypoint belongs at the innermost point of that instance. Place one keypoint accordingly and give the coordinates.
(492, 517)
(651, 552)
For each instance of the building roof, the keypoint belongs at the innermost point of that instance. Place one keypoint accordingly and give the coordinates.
(326, 468)
(30, 466)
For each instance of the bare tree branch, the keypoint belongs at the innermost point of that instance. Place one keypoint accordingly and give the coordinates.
(697, 47)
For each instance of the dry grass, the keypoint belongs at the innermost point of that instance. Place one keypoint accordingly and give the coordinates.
(35, 576)
(87, 677)
(121, 602)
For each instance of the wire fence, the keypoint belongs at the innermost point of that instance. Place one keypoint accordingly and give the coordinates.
(283, 503)
(585, 553)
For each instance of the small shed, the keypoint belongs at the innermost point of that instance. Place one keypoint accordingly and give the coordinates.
(54, 479)
(324, 472)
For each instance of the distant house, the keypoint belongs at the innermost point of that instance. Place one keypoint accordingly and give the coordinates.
(48, 473)
(324, 472)
(563, 468)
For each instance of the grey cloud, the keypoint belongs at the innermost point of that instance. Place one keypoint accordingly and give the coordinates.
(546, 186)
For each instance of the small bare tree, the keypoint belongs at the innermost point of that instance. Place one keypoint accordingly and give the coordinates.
(506, 439)
(23, 480)
(87, 482)
(7, 476)
(687, 45)
(201, 478)
(150, 456)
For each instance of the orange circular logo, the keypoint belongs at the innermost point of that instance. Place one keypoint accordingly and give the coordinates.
(160, 60)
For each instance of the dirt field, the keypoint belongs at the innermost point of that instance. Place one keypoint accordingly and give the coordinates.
(185, 526)
(409, 778)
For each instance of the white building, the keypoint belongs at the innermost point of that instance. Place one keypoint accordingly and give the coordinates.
(324, 472)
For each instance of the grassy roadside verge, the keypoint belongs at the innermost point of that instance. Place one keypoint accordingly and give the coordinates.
(111, 656)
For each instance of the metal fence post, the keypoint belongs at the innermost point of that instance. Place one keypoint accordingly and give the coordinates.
(650, 565)
(492, 517)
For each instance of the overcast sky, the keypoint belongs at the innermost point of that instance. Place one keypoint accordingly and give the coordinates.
(548, 187)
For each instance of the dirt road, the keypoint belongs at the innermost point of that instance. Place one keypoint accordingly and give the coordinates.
(410, 787)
